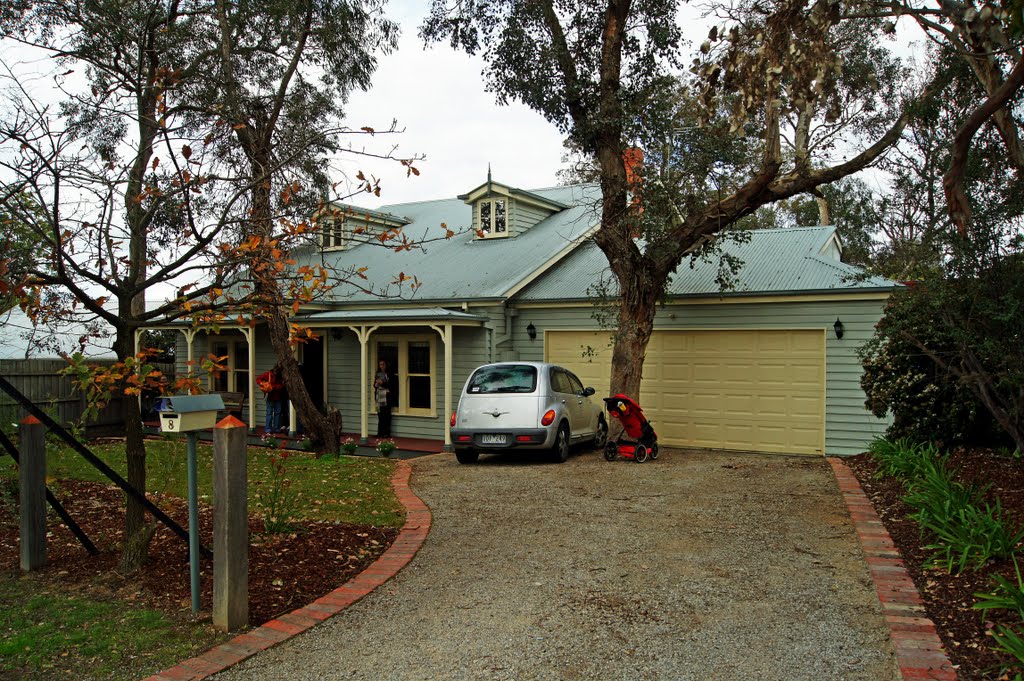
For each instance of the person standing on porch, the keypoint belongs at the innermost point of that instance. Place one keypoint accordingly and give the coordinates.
(273, 392)
(384, 395)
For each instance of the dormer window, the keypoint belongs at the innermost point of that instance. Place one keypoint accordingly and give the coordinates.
(334, 236)
(501, 211)
(343, 227)
(494, 217)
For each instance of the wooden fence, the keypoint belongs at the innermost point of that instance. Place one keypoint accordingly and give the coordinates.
(39, 380)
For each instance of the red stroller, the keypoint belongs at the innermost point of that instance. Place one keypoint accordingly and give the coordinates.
(634, 425)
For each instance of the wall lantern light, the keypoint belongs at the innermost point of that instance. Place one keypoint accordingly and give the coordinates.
(531, 331)
(336, 333)
(838, 327)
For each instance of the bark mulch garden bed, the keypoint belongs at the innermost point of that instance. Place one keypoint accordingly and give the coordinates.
(286, 571)
(949, 598)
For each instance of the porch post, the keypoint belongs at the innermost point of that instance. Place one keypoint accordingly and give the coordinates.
(446, 338)
(250, 334)
(447, 386)
(189, 336)
(364, 430)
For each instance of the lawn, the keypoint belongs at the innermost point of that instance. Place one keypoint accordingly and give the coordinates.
(78, 613)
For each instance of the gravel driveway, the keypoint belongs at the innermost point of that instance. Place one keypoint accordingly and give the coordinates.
(699, 565)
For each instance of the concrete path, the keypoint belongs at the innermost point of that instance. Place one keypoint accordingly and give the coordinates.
(696, 566)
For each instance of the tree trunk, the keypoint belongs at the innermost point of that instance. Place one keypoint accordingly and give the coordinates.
(324, 429)
(636, 322)
(136, 532)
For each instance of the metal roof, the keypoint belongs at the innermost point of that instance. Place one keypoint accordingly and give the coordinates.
(463, 267)
(466, 268)
(391, 314)
(775, 261)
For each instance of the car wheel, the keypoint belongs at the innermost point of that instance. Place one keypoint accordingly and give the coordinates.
(611, 450)
(654, 451)
(640, 453)
(467, 456)
(601, 436)
(561, 450)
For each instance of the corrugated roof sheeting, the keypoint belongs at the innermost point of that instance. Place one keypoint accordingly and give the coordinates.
(391, 314)
(774, 261)
(464, 267)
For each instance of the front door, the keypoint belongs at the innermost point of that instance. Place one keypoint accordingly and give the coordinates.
(312, 368)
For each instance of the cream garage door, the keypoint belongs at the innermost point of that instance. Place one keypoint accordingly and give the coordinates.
(759, 390)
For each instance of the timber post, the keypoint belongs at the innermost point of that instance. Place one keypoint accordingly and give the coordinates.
(32, 490)
(230, 526)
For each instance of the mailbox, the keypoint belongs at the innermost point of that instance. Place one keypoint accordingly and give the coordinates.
(182, 413)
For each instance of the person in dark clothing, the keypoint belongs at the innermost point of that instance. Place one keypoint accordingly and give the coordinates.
(384, 395)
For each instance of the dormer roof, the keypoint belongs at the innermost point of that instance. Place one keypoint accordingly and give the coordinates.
(491, 188)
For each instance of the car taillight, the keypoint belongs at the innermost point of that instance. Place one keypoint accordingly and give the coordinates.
(465, 438)
(452, 422)
(549, 418)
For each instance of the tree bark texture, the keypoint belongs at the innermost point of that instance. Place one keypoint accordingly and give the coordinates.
(135, 529)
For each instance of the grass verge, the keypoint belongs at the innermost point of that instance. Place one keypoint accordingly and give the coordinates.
(49, 633)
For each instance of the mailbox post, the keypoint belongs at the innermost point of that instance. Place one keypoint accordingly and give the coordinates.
(188, 414)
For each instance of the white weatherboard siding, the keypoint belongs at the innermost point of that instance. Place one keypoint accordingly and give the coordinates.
(760, 390)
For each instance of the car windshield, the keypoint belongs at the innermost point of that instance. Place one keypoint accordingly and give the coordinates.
(514, 378)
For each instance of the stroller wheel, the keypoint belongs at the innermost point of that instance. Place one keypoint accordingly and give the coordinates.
(640, 453)
(611, 450)
(654, 451)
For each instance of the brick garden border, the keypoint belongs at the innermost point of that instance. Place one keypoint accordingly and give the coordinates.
(919, 652)
(398, 555)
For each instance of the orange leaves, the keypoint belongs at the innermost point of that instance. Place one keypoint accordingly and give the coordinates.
(402, 278)
(448, 233)
(186, 152)
(290, 190)
(410, 168)
(300, 334)
(368, 129)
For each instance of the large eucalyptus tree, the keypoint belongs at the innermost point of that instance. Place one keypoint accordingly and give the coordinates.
(769, 83)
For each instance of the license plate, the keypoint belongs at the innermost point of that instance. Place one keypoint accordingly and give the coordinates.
(493, 439)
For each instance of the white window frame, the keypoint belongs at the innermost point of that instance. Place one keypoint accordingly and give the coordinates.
(334, 234)
(403, 341)
(237, 345)
(488, 230)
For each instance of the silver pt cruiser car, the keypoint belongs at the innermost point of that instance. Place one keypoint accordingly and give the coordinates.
(525, 405)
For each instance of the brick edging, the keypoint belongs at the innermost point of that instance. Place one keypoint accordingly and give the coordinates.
(919, 652)
(398, 555)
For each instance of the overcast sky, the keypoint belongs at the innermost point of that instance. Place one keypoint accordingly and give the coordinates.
(438, 97)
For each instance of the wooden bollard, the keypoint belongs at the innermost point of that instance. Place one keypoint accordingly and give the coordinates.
(230, 526)
(32, 491)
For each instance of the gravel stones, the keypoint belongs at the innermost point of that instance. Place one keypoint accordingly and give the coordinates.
(699, 565)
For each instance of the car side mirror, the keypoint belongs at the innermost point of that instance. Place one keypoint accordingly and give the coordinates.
(587, 392)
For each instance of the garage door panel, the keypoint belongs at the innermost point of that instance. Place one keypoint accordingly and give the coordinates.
(759, 390)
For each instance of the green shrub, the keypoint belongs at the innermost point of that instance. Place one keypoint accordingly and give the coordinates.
(902, 459)
(926, 402)
(963, 531)
(970, 537)
(1009, 641)
(1006, 595)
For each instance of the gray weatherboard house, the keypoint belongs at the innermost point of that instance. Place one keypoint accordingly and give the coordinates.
(758, 368)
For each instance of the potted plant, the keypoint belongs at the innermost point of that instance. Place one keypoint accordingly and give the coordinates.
(385, 447)
(349, 446)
